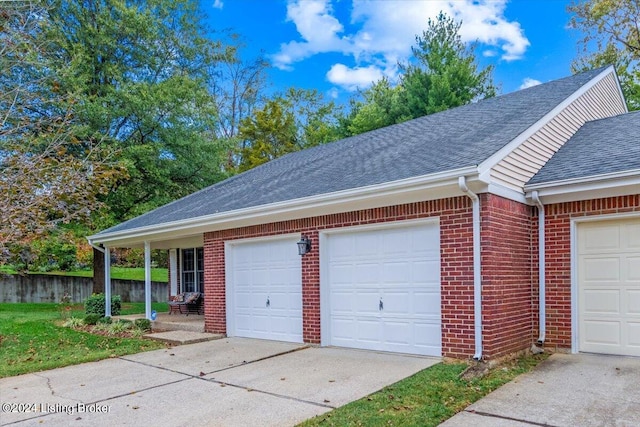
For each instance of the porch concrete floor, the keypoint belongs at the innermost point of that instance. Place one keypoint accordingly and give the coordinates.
(172, 322)
(182, 337)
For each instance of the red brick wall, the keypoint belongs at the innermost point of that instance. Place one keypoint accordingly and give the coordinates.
(558, 259)
(456, 270)
(506, 275)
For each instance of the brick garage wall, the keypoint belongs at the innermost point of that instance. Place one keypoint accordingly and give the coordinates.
(506, 275)
(558, 259)
(456, 265)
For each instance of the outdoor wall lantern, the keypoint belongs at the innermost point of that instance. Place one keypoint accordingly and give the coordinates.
(304, 245)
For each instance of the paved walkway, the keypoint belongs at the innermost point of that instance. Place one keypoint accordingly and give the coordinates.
(227, 382)
(581, 390)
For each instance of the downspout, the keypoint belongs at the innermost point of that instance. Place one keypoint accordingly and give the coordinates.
(541, 267)
(477, 277)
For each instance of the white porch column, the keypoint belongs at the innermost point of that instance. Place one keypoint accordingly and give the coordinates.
(107, 282)
(173, 271)
(147, 280)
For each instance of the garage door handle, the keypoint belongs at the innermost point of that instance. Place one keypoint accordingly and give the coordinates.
(381, 306)
(268, 302)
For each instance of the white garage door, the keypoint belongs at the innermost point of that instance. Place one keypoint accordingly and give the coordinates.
(264, 290)
(609, 287)
(384, 289)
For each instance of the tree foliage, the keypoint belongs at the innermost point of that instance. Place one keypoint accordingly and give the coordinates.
(612, 28)
(53, 169)
(442, 74)
(289, 122)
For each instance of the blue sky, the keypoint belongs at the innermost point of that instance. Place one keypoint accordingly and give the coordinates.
(338, 46)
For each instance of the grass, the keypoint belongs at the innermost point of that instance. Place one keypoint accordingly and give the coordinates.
(124, 273)
(425, 399)
(32, 338)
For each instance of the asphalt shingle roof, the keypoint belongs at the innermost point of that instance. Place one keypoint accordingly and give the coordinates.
(452, 139)
(599, 147)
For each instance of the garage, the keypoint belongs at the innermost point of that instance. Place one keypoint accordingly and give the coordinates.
(608, 278)
(264, 289)
(381, 288)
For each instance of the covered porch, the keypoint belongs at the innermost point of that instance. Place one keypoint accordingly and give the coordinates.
(185, 271)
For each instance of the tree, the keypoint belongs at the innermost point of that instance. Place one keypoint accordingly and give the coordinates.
(288, 122)
(236, 86)
(52, 170)
(139, 72)
(442, 74)
(271, 132)
(614, 28)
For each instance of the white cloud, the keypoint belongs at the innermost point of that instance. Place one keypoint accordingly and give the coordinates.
(318, 29)
(529, 82)
(386, 31)
(333, 93)
(353, 78)
(218, 4)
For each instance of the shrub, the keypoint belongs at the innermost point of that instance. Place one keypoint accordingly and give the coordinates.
(91, 319)
(104, 321)
(95, 305)
(143, 324)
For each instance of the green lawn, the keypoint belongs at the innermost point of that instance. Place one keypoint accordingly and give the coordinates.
(32, 338)
(124, 273)
(426, 399)
(157, 274)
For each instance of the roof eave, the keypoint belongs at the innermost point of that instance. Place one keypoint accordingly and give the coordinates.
(426, 187)
(587, 188)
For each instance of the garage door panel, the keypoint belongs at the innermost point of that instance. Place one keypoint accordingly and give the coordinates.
(602, 332)
(599, 237)
(634, 336)
(597, 270)
(609, 286)
(427, 304)
(367, 302)
(399, 266)
(633, 268)
(601, 301)
(631, 236)
(265, 279)
(633, 302)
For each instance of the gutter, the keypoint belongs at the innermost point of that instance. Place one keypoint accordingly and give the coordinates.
(541, 267)
(288, 209)
(477, 277)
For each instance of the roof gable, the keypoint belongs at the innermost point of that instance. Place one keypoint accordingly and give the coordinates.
(616, 140)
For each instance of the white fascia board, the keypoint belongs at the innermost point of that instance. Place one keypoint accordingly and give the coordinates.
(485, 167)
(593, 187)
(438, 185)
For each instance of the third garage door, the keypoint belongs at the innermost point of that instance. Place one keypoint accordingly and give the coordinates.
(384, 289)
(609, 286)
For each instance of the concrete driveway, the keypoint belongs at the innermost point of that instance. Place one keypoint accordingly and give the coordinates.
(228, 382)
(579, 390)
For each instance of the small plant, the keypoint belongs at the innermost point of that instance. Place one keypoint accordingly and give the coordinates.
(95, 304)
(73, 322)
(104, 321)
(65, 306)
(91, 319)
(143, 324)
(119, 327)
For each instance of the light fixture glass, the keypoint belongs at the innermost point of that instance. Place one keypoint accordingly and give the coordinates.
(304, 245)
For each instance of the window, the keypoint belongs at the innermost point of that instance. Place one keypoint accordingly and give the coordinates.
(192, 270)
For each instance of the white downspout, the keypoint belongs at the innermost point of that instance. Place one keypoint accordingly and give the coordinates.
(541, 267)
(107, 278)
(147, 280)
(477, 273)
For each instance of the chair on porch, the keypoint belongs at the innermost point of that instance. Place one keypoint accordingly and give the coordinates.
(187, 303)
